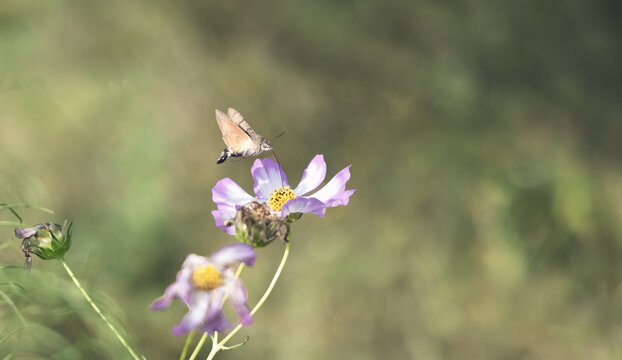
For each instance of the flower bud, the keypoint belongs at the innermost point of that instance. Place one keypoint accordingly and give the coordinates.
(256, 225)
(47, 241)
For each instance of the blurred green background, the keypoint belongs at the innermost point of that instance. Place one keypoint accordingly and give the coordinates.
(484, 139)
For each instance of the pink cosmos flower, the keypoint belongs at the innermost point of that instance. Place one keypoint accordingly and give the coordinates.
(271, 187)
(202, 284)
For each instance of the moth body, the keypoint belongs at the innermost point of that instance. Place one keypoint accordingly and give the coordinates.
(239, 137)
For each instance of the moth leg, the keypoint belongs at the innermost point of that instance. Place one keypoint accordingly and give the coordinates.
(226, 153)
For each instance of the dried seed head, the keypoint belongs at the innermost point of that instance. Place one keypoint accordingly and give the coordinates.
(255, 224)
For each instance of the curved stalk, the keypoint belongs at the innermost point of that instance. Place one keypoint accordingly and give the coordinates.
(198, 347)
(217, 346)
(98, 311)
(184, 352)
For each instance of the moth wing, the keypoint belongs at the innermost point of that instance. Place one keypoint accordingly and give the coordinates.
(237, 118)
(235, 115)
(233, 136)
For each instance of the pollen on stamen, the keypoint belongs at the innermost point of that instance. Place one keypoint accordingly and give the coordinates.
(206, 277)
(279, 197)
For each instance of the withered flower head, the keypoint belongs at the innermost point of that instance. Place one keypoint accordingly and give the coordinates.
(255, 224)
(46, 240)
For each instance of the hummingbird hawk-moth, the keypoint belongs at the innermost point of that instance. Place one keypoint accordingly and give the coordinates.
(239, 137)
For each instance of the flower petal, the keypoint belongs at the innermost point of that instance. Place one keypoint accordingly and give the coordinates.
(25, 232)
(268, 176)
(196, 314)
(181, 288)
(171, 292)
(233, 253)
(238, 297)
(215, 299)
(334, 193)
(226, 191)
(313, 176)
(217, 323)
(223, 214)
(304, 205)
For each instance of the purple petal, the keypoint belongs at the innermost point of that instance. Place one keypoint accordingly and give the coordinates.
(182, 287)
(334, 193)
(238, 297)
(215, 303)
(190, 263)
(304, 205)
(226, 191)
(313, 176)
(233, 253)
(223, 214)
(165, 300)
(268, 176)
(218, 323)
(25, 232)
(196, 314)
(342, 198)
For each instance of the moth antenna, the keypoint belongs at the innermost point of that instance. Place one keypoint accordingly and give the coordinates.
(278, 136)
(278, 162)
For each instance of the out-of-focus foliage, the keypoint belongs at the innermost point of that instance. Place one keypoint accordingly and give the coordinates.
(484, 138)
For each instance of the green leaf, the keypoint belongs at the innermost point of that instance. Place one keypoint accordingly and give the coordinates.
(10, 334)
(11, 304)
(236, 345)
(11, 223)
(4, 206)
(5, 245)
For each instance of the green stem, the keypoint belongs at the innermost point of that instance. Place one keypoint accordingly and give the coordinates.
(214, 348)
(198, 347)
(184, 352)
(218, 346)
(97, 310)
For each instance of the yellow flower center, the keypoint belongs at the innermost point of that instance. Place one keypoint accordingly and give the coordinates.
(206, 277)
(279, 197)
